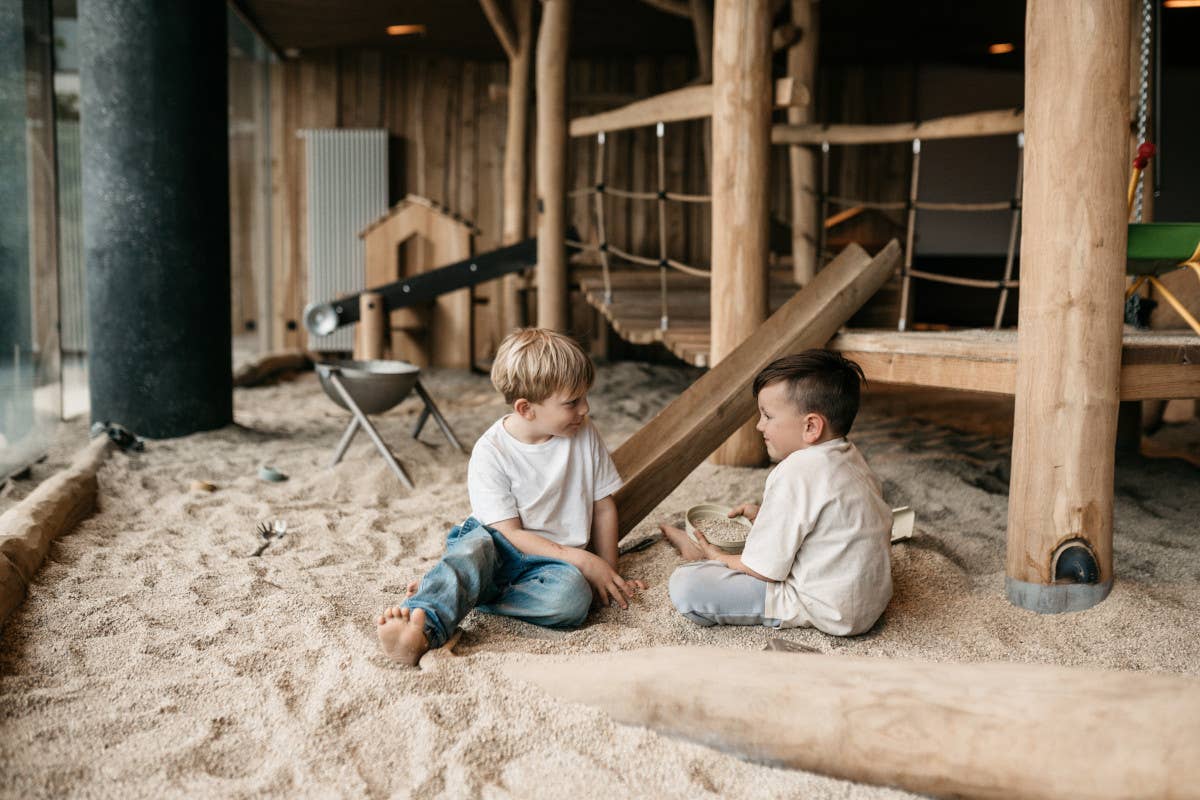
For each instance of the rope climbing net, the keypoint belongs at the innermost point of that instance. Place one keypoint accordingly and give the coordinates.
(911, 206)
(606, 249)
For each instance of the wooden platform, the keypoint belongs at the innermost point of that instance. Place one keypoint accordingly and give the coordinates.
(636, 309)
(1155, 364)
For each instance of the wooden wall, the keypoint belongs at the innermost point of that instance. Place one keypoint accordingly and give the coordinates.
(446, 117)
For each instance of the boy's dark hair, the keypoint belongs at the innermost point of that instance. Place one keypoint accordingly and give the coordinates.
(818, 381)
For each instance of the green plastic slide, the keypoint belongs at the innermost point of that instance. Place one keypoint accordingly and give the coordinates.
(1158, 247)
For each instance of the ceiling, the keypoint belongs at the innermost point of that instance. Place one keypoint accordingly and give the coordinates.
(851, 31)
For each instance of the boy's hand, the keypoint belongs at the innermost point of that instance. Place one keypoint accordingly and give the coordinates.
(747, 510)
(608, 586)
(412, 587)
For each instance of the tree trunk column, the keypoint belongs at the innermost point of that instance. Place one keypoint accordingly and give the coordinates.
(742, 97)
(156, 215)
(802, 67)
(510, 314)
(1072, 279)
(552, 164)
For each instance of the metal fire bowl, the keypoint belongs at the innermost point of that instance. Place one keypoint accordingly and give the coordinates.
(376, 386)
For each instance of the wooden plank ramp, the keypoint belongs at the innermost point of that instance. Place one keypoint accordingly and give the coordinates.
(655, 459)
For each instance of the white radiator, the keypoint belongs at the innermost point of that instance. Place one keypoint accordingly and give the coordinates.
(346, 178)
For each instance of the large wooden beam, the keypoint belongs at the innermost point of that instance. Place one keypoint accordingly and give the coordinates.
(659, 456)
(1072, 288)
(961, 126)
(690, 102)
(741, 157)
(552, 164)
(801, 66)
(1155, 365)
(702, 28)
(520, 57)
(952, 730)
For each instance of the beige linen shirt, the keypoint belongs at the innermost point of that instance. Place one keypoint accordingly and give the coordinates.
(824, 533)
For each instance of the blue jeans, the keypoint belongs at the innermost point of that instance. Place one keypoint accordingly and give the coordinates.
(710, 593)
(481, 569)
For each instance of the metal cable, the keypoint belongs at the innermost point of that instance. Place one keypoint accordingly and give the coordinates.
(662, 228)
(601, 233)
(1143, 98)
(910, 235)
(1014, 226)
(972, 282)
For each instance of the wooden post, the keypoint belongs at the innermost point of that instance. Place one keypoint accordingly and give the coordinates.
(519, 47)
(740, 160)
(702, 27)
(1072, 281)
(552, 164)
(372, 326)
(801, 65)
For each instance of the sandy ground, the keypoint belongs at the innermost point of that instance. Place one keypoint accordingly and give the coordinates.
(155, 658)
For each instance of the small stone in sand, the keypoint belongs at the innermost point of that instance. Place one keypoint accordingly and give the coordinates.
(203, 486)
(269, 473)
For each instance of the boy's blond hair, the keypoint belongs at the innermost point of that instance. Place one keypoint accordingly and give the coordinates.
(536, 363)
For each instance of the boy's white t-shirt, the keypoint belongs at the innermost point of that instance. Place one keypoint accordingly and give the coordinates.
(551, 486)
(823, 532)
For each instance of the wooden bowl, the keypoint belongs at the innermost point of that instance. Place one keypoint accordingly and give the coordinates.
(708, 512)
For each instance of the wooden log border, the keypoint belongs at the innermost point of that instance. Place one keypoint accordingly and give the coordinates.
(54, 508)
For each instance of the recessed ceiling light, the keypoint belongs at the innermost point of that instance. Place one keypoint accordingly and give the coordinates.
(1000, 48)
(404, 30)
(1182, 4)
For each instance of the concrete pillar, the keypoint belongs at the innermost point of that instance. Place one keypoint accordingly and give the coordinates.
(156, 214)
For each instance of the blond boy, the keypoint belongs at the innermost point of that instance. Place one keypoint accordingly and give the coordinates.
(541, 542)
(819, 551)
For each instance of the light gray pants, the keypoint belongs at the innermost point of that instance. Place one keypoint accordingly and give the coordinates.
(710, 593)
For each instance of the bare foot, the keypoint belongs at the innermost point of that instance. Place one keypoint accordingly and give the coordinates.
(402, 634)
(688, 550)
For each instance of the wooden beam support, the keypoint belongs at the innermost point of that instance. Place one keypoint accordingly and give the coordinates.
(960, 126)
(702, 27)
(690, 102)
(677, 7)
(1156, 365)
(552, 164)
(509, 316)
(1072, 291)
(503, 31)
(741, 157)
(944, 729)
(802, 161)
(660, 455)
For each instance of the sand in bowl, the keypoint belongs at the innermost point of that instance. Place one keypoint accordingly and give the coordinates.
(718, 527)
(724, 531)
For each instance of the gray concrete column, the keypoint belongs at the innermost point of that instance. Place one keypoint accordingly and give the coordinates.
(156, 214)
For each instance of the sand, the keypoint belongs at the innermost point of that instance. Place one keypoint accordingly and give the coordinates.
(155, 658)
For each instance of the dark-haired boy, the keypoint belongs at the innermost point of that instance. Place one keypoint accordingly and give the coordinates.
(819, 551)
